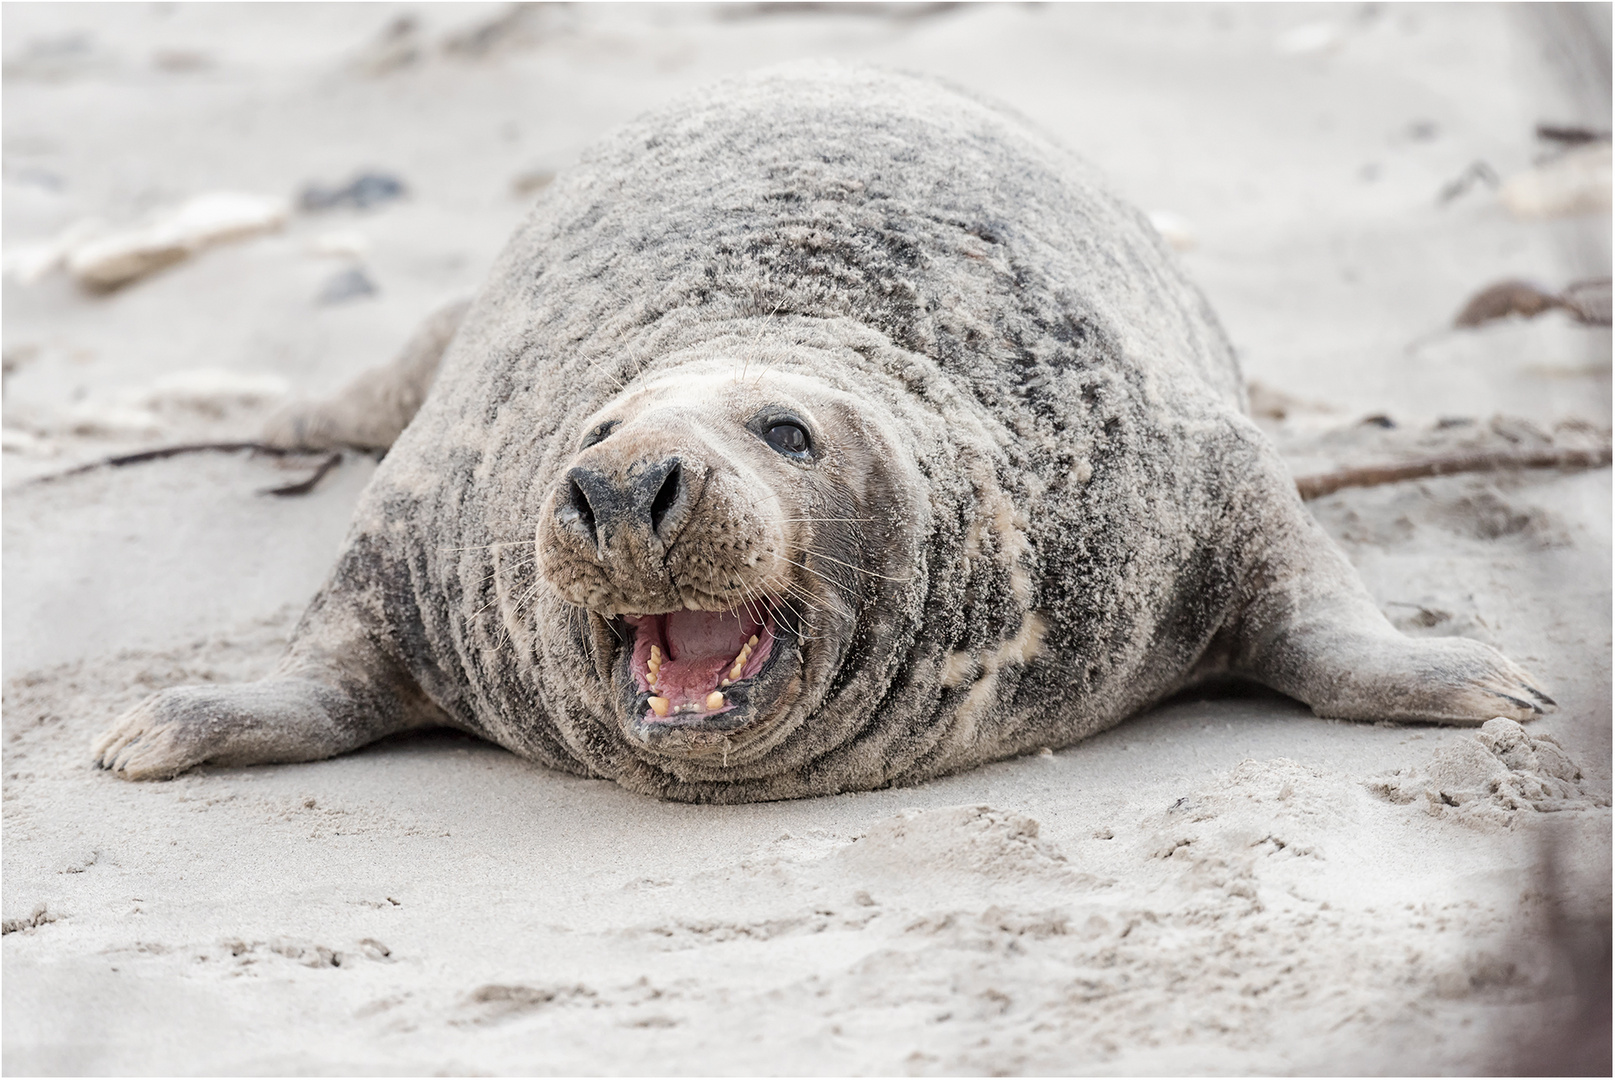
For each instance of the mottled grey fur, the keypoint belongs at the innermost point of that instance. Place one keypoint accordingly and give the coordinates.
(1061, 513)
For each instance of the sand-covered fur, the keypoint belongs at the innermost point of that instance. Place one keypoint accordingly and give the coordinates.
(1026, 501)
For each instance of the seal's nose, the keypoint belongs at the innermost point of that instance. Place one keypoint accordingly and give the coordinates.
(602, 505)
(579, 508)
(668, 489)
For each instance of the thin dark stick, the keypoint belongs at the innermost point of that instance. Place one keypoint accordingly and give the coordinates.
(173, 451)
(303, 487)
(1570, 135)
(1314, 487)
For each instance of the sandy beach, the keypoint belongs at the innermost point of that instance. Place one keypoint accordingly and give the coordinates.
(1224, 885)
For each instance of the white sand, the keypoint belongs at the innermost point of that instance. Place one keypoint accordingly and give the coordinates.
(1225, 885)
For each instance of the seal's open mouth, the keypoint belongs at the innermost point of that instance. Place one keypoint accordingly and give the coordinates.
(702, 670)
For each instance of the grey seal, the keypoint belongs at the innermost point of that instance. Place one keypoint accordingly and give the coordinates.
(828, 429)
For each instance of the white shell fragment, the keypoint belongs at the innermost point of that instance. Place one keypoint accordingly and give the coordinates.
(116, 259)
(1576, 182)
(27, 263)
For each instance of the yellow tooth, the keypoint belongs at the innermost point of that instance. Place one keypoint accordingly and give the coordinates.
(651, 679)
(658, 705)
(726, 682)
(655, 656)
(734, 672)
(753, 641)
(714, 700)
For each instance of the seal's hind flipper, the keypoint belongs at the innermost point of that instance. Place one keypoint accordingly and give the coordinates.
(1310, 629)
(373, 410)
(1349, 669)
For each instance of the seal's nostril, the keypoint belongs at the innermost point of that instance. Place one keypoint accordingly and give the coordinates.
(580, 503)
(665, 498)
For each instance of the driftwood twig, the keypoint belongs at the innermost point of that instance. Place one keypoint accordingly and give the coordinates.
(1321, 484)
(158, 453)
(303, 487)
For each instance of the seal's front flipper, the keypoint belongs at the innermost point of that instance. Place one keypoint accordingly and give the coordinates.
(305, 711)
(373, 410)
(1310, 629)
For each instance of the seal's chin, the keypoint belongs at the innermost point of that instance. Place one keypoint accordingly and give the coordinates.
(687, 673)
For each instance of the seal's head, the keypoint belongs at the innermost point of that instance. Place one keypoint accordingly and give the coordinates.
(722, 525)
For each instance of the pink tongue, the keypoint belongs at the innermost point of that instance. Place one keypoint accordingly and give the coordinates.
(701, 645)
(694, 635)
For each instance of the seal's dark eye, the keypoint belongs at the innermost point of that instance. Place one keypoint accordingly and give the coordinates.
(600, 432)
(787, 439)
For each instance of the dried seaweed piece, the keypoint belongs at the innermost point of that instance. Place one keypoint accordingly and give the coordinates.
(1503, 299)
(1587, 301)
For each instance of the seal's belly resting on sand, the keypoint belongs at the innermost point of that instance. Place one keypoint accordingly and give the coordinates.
(827, 430)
